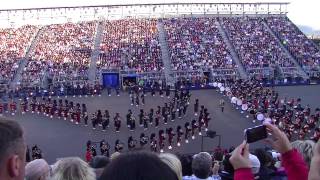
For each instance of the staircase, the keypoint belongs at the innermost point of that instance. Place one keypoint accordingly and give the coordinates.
(302, 73)
(170, 80)
(24, 60)
(92, 72)
(235, 58)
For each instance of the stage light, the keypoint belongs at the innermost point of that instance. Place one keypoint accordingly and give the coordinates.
(187, 141)
(178, 144)
(193, 137)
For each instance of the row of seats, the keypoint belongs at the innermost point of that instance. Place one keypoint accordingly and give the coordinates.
(195, 43)
(13, 46)
(307, 54)
(255, 46)
(131, 44)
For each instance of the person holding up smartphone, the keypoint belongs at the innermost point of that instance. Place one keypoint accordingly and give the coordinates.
(292, 161)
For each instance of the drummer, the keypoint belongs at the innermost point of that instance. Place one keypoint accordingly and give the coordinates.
(143, 140)
(131, 143)
(222, 104)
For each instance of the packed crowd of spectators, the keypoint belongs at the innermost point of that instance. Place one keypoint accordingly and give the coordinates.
(281, 160)
(195, 43)
(307, 54)
(62, 50)
(131, 44)
(255, 46)
(14, 43)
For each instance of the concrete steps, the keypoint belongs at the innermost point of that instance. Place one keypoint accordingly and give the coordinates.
(24, 61)
(302, 73)
(96, 51)
(170, 80)
(235, 58)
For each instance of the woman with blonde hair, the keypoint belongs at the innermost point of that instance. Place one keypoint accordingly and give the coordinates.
(305, 148)
(72, 168)
(173, 162)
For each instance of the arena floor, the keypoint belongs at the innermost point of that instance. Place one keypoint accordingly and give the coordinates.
(58, 138)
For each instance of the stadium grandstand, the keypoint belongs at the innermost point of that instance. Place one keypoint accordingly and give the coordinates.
(170, 88)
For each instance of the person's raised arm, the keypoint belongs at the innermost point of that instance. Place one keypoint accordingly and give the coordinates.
(241, 163)
(292, 161)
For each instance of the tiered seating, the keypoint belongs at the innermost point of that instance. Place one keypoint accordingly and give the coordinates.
(64, 50)
(255, 46)
(131, 44)
(297, 43)
(195, 43)
(13, 46)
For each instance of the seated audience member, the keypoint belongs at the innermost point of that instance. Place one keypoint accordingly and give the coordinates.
(99, 163)
(314, 173)
(255, 164)
(173, 162)
(202, 168)
(37, 169)
(292, 161)
(305, 148)
(138, 166)
(72, 168)
(266, 162)
(228, 171)
(186, 162)
(12, 151)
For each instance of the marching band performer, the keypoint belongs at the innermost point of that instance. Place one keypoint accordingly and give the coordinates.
(153, 143)
(145, 122)
(168, 92)
(13, 107)
(200, 122)
(132, 99)
(131, 143)
(1, 109)
(137, 100)
(142, 99)
(117, 122)
(173, 114)
(151, 116)
(104, 148)
(128, 116)
(194, 126)
(106, 120)
(179, 135)
(171, 134)
(141, 115)
(160, 91)
(188, 129)
(33, 104)
(85, 118)
(94, 121)
(161, 140)
(24, 105)
(143, 140)
(118, 146)
(206, 119)
(132, 123)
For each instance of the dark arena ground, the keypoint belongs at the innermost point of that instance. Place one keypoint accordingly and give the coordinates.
(58, 138)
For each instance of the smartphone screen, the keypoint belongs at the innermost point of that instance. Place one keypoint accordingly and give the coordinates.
(256, 133)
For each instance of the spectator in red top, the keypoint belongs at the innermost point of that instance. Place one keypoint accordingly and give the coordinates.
(88, 155)
(292, 161)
